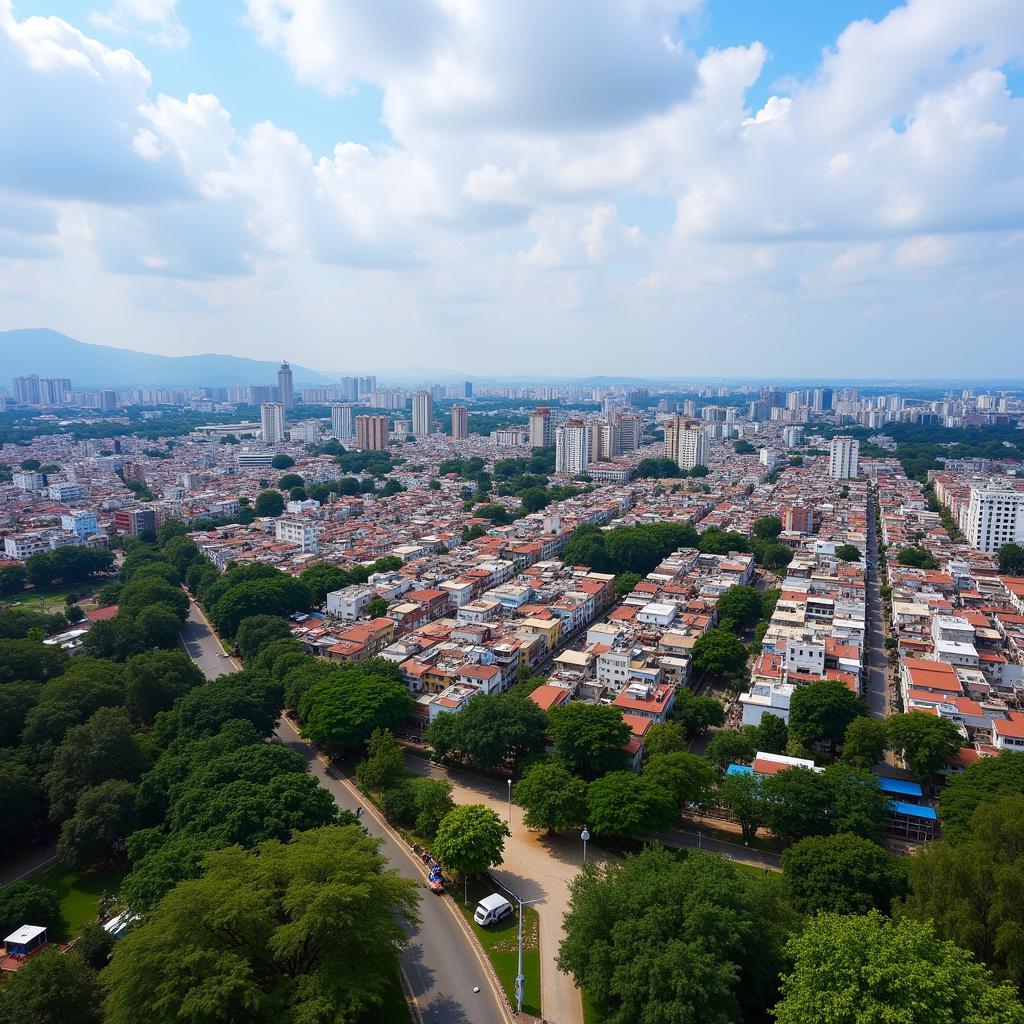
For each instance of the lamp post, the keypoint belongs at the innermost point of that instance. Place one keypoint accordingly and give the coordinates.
(510, 802)
(520, 977)
(585, 835)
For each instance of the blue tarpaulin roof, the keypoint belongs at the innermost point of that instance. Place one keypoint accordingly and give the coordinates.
(739, 769)
(913, 811)
(899, 787)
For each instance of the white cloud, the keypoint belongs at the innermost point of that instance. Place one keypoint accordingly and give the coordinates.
(156, 21)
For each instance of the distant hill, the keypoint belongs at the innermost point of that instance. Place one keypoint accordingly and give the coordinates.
(52, 354)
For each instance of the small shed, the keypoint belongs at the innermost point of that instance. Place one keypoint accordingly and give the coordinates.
(25, 941)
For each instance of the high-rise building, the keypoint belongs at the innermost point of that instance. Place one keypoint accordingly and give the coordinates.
(272, 422)
(843, 457)
(372, 432)
(572, 447)
(26, 389)
(285, 387)
(349, 388)
(630, 432)
(541, 429)
(467, 389)
(995, 516)
(341, 421)
(422, 413)
(460, 422)
(108, 400)
(685, 442)
(608, 440)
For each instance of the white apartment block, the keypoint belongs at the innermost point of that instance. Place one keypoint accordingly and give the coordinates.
(422, 414)
(272, 422)
(348, 603)
(685, 443)
(843, 458)
(572, 448)
(301, 532)
(542, 433)
(995, 516)
(342, 423)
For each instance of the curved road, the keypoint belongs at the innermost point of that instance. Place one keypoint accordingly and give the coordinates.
(441, 964)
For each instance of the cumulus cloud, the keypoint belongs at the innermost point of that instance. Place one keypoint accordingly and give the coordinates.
(156, 21)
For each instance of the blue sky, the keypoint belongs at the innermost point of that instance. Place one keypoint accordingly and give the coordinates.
(488, 186)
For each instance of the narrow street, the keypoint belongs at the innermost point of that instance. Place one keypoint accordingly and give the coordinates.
(876, 686)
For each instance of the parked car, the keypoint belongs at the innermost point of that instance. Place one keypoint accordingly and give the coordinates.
(492, 909)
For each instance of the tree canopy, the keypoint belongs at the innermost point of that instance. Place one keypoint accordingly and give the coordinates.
(924, 741)
(470, 839)
(589, 737)
(821, 712)
(551, 797)
(489, 731)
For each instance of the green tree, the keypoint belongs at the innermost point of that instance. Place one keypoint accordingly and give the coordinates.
(589, 737)
(16, 701)
(282, 461)
(308, 930)
(154, 681)
(719, 652)
(665, 738)
(663, 938)
(551, 797)
(470, 839)
(321, 578)
(848, 553)
(973, 891)
(868, 968)
(104, 818)
(983, 781)
(29, 660)
(924, 741)
(732, 747)
(821, 712)
(95, 945)
(740, 605)
(256, 631)
(432, 802)
(144, 591)
(160, 626)
(797, 803)
(767, 527)
(1011, 559)
(625, 582)
(864, 743)
(689, 778)
(918, 558)
(858, 804)
(12, 578)
(52, 988)
(772, 734)
(26, 902)
(697, 714)
(844, 874)
(341, 711)
(742, 795)
(627, 804)
(376, 608)
(268, 503)
(384, 763)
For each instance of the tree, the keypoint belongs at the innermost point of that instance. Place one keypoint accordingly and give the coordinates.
(144, 591)
(864, 743)
(983, 781)
(432, 801)
(376, 608)
(924, 741)
(821, 712)
(719, 652)
(470, 839)
(973, 892)
(858, 804)
(28, 903)
(869, 968)
(772, 734)
(767, 527)
(589, 737)
(16, 700)
(1011, 559)
(282, 461)
(204, 710)
(552, 797)
(918, 558)
(279, 594)
(844, 874)
(797, 803)
(307, 930)
(103, 748)
(665, 738)
(689, 778)
(533, 499)
(104, 818)
(159, 625)
(848, 553)
(731, 747)
(740, 605)
(12, 578)
(626, 804)
(321, 578)
(256, 631)
(30, 659)
(741, 794)
(52, 988)
(489, 731)
(95, 945)
(384, 763)
(268, 503)
(663, 938)
(154, 681)
(341, 711)
(697, 714)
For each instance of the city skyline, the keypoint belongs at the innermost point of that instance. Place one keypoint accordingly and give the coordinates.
(826, 194)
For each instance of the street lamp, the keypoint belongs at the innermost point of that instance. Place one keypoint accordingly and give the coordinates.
(584, 835)
(520, 977)
(509, 802)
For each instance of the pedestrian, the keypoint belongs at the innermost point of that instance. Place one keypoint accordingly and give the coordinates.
(359, 811)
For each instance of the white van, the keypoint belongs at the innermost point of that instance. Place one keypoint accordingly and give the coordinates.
(491, 909)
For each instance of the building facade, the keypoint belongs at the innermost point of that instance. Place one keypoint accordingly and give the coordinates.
(272, 422)
(372, 433)
(843, 458)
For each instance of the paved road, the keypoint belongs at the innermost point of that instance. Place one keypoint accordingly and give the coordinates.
(876, 690)
(440, 963)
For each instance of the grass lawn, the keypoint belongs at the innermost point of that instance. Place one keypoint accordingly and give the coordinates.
(394, 1010)
(500, 944)
(52, 597)
(79, 896)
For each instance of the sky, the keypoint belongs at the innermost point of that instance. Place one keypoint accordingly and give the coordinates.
(521, 187)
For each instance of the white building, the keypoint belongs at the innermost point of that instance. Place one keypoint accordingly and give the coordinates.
(348, 603)
(460, 422)
(272, 422)
(995, 516)
(685, 442)
(422, 414)
(29, 480)
(83, 524)
(541, 428)
(67, 492)
(572, 448)
(252, 457)
(342, 423)
(843, 458)
(301, 532)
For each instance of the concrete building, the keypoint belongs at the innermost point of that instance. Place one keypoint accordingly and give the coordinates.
(460, 422)
(630, 432)
(272, 422)
(995, 516)
(685, 442)
(342, 425)
(285, 386)
(299, 531)
(372, 432)
(542, 432)
(843, 458)
(422, 414)
(133, 521)
(29, 480)
(82, 524)
(572, 448)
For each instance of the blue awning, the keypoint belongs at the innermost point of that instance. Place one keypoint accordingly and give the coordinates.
(914, 811)
(899, 787)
